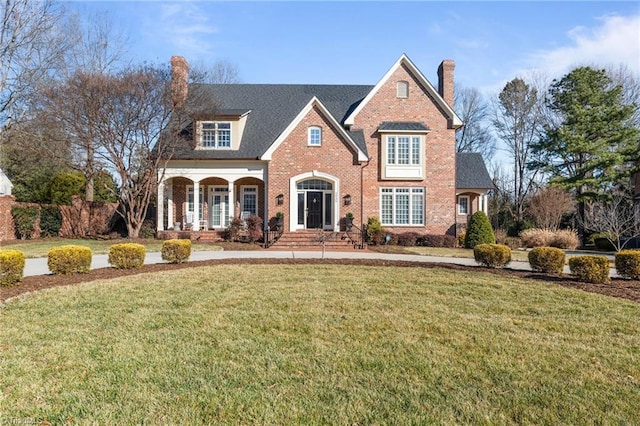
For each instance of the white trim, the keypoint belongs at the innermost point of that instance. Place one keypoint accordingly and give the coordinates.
(293, 204)
(468, 198)
(303, 113)
(242, 191)
(404, 60)
(405, 87)
(309, 129)
(410, 193)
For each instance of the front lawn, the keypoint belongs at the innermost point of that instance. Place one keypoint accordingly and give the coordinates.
(319, 344)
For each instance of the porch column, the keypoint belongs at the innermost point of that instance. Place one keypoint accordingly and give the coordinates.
(196, 205)
(160, 209)
(485, 198)
(232, 201)
(169, 192)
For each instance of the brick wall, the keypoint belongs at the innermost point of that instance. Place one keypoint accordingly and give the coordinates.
(439, 181)
(334, 157)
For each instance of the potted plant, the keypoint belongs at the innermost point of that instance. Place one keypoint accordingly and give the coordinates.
(279, 220)
(348, 221)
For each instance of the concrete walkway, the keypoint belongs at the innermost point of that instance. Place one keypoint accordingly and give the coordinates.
(38, 266)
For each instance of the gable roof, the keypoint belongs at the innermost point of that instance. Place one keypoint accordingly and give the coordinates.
(404, 60)
(471, 172)
(271, 109)
(315, 102)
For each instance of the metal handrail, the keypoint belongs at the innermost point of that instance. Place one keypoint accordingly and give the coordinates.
(270, 236)
(357, 236)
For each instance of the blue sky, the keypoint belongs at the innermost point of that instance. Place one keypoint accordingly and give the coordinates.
(357, 42)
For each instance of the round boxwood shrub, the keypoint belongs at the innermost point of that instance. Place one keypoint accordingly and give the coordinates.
(127, 255)
(11, 267)
(176, 251)
(492, 255)
(628, 264)
(547, 259)
(479, 231)
(590, 269)
(69, 259)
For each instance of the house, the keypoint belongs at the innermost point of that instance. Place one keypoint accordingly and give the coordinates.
(5, 184)
(317, 152)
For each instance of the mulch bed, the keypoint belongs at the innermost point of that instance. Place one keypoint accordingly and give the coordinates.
(626, 289)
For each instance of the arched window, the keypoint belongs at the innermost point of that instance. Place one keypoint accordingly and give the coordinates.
(402, 89)
(314, 136)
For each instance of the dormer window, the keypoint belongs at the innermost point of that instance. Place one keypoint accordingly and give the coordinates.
(215, 134)
(315, 136)
(402, 89)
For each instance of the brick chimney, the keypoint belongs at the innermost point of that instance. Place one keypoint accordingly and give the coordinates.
(179, 80)
(445, 80)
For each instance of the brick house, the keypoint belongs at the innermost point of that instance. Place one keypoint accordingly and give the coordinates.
(318, 152)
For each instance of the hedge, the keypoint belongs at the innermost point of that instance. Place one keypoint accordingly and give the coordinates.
(127, 255)
(11, 267)
(492, 255)
(547, 259)
(69, 259)
(176, 251)
(590, 269)
(628, 264)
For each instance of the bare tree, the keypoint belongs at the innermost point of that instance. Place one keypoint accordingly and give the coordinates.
(220, 72)
(547, 206)
(518, 121)
(31, 46)
(474, 112)
(618, 218)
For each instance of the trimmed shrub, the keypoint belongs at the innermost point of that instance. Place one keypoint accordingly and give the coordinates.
(375, 232)
(431, 240)
(460, 239)
(50, 221)
(11, 267)
(492, 255)
(408, 239)
(24, 219)
(176, 251)
(449, 241)
(127, 255)
(565, 239)
(479, 231)
(69, 259)
(628, 264)
(547, 259)
(590, 269)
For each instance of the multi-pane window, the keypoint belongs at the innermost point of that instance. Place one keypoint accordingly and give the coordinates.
(402, 89)
(463, 204)
(403, 150)
(402, 206)
(215, 134)
(315, 136)
(250, 199)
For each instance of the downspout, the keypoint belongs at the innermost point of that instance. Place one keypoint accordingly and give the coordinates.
(362, 194)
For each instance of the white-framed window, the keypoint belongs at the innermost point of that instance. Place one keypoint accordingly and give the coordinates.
(404, 150)
(314, 136)
(249, 200)
(215, 134)
(402, 89)
(402, 206)
(463, 204)
(190, 200)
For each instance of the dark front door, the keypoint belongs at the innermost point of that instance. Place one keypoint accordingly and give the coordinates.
(314, 209)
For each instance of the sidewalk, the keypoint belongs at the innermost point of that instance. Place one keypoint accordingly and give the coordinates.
(38, 266)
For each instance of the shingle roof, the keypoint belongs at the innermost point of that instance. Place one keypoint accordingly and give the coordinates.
(272, 108)
(471, 172)
(395, 126)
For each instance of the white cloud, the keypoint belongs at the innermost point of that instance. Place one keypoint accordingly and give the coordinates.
(187, 28)
(616, 41)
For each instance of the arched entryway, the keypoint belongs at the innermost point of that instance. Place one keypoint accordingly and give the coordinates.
(314, 201)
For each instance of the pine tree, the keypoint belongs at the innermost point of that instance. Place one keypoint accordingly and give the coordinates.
(479, 231)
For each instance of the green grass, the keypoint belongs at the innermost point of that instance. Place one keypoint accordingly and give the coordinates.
(40, 247)
(240, 344)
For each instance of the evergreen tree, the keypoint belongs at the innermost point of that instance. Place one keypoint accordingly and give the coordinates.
(479, 231)
(593, 146)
